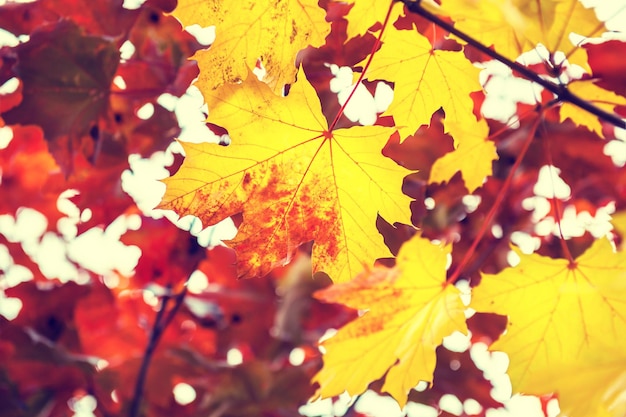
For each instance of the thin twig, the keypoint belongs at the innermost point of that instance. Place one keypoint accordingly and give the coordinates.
(161, 322)
(560, 91)
(496, 205)
(555, 202)
(365, 67)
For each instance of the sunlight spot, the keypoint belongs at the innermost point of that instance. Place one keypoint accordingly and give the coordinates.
(146, 111)
(133, 4)
(115, 397)
(127, 50)
(6, 135)
(198, 282)
(9, 307)
(465, 289)
(420, 410)
(9, 86)
(149, 298)
(16, 274)
(451, 404)
(224, 140)
(119, 82)
(260, 72)
(203, 308)
(512, 258)
(471, 202)
(540, 206)
(30, 224)
(376, 405)
(496, 231)
(205, 36)
(84, 406)
(86, 215)
(525, 242)
(455, 365)
(111, 255)
(550, 184)
(553, 409)
(133, 222)
(66, 206)
(429, 203)
(457, 342)
(184, 393)
(616, 148)
(383, 96)
(5, 257)
(319, 407)
(472, 407)
(7, 38)
(167, 101)
(297, 356)
(421, 386)
(363, 107)
(234, 357)
(67, 228)
(111, 280)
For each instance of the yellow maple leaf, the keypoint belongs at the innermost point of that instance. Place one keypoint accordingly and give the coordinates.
(556, 311)
(473, 157)
(619, 222)
(410, 312)
(366, 13)
(248, 30)
(425, 80)
(590, 92)
(292, 179)
(517, 26)
(599, 373)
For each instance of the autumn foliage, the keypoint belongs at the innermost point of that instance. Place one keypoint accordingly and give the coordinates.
(367, 240)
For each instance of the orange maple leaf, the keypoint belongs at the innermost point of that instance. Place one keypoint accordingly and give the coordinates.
(293, 180)
(410, 311)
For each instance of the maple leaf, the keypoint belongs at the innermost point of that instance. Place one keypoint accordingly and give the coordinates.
(108, 17)
(605, 60)
(250, 30)
(411, 310)
(365, 14)
(599, 373)
(26, 166)
(473, 157)
(293, 180)
(66, 77)
(619, 222)
(557, 311)
(592, 93)
(514, 27)
(426, 79)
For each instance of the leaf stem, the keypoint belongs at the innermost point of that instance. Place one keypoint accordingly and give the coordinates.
(161, 322)
(560, 91)
(495, 207)
(367, 64)
(556, 203)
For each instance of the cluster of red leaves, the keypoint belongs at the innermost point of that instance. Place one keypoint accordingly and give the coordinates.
(74, 121)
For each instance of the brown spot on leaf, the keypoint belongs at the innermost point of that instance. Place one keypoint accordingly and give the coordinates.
(294, 31)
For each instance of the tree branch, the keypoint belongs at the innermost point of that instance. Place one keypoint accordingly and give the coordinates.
(161, 322)
(560, 91)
